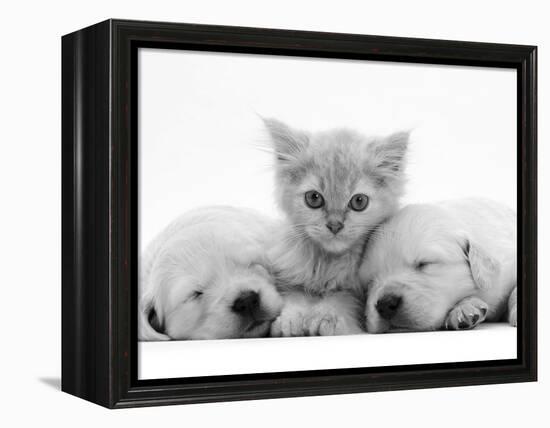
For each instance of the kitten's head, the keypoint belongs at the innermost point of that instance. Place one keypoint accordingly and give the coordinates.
(337, 186)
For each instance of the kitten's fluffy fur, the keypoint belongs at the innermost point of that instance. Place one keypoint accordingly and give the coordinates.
(337, 164)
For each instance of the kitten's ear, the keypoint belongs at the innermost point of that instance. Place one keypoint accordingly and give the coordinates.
(390, 154)
(287, 142)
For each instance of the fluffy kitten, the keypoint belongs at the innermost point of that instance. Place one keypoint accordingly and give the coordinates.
(335, 187)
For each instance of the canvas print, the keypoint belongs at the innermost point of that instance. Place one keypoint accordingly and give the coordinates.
(360, 208)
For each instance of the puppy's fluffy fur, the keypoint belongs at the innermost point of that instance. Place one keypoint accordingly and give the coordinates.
(311, 260)
(195, 271)
(433, 266)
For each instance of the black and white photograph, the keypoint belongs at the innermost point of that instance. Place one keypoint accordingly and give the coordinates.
(301, 204)
(275, 214)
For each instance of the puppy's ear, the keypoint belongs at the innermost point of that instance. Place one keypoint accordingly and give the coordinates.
(261, 264)
(389, 156)
(485, 268)
(150, 324)
(287, 142)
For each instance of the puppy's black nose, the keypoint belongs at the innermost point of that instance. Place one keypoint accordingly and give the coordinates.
(246, 303)
(388, 305)
(335, 226)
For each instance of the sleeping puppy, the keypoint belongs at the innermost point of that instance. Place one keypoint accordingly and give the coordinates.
(448, 265)
(204, 277)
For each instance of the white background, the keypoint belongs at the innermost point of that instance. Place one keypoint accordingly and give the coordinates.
(30, 222)
(202, 143)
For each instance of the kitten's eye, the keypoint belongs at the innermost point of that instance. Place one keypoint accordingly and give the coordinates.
(359, 202)
(423, 264)
(314, 199)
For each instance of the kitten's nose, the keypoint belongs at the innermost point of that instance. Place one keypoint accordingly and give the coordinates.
(246, 303)
(335, 226)
(388, 305)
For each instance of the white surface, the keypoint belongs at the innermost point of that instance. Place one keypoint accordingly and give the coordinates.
(30, 217)
(202, 357)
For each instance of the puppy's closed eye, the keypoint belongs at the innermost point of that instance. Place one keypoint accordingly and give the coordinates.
(423, 264)
(196, 295)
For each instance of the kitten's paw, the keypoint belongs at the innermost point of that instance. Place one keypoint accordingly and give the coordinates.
(327, 324)
(467, 314)
(289, 324)
(332, 285)
(318, 324)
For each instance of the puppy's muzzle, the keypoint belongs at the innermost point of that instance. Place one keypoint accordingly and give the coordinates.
(248, 306)
(388, 305)
(247, 303)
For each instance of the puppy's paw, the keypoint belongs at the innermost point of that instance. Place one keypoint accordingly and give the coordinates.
(513, 308)
(467, 314)
(289, 324)
(513, 317)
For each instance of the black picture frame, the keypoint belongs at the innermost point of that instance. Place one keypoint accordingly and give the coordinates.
(99, 213)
